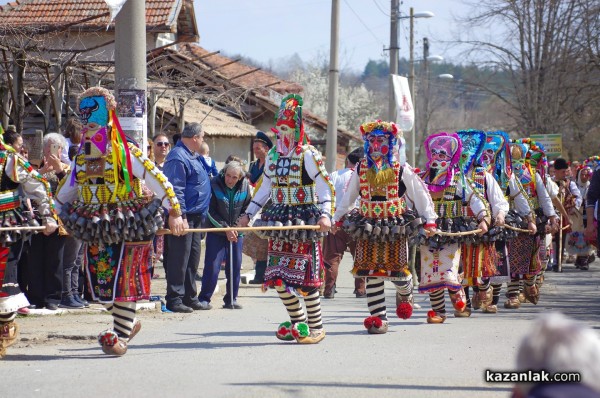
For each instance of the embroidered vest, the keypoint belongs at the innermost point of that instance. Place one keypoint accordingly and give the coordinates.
(9, 194)
(392, 206)
(289, 184)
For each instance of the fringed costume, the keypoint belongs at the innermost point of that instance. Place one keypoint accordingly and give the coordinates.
(459, 208)
(14, 173)
(101, 203)
(524, 251)
(496, 159)
(383, 225)
(296, 181)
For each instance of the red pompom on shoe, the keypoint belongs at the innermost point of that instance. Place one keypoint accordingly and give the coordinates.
(278, 282)
(460, 305)
(372, 321)
(404, 310)
(431, 314)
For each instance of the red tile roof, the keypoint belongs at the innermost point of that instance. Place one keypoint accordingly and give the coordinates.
(240, 74)
(161, 15)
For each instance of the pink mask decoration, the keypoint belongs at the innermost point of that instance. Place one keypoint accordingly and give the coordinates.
(443, 152)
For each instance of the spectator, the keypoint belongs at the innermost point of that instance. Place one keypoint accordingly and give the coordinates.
(72, 262)
(559, 344)
(256, 247)
(192, 188)
(334, 245)
(161, 148)
(45, 262)
(207, 161)
(73, 136)
(176, 138)
(230, 196)
(14, 139)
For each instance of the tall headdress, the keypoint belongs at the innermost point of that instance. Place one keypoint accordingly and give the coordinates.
(592, 162)
(290, 115)
(101, 130)
(536, 157)
(472, 147)
(380, 128)
(495, 157)
(443, 154)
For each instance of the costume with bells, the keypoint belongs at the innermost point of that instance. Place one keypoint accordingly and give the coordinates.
(101, 202)
(302, 194)
(15, 172)
(496, 160)
(524, 252)
(460, 208)
(382, 226)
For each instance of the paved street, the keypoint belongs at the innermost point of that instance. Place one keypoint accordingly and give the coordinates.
(227, 353)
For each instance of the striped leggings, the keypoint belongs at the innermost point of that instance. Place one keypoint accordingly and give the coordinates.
(123, 313)
(292, 304)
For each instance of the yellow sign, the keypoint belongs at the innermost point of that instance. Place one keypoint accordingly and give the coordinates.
(552, 143)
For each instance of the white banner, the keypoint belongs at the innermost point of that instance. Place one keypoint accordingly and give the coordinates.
(114, 7)
(405, 112)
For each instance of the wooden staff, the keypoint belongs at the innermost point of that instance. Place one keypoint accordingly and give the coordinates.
(2, 229)
(560, 234)
(517, 229)
(473, 232)
(243, 229)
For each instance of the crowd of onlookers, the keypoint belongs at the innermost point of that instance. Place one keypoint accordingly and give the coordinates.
(50, 269)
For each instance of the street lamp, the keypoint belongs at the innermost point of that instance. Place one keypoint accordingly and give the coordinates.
(411, 77)
(394, 49)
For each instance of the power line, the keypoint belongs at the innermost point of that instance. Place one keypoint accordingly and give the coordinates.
(363, 23)
(380, 9)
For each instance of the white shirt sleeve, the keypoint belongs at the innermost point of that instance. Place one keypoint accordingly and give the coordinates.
(495, 196)
(418, 194)
(577, 193)
(264, 192)
(544, 197)
(517, 194)
(319, 175)
(348, 201)
(478, 205)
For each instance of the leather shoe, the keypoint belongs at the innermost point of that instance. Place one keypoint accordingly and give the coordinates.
(329, 295)
(361, 294)
(197, 305)
(236, 306)
(70, 302)
(51, 306)
(179, 307)
(256, 281)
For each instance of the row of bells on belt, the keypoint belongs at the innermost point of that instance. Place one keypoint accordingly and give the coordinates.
(12, 219)
(114, 226)
(386, 230)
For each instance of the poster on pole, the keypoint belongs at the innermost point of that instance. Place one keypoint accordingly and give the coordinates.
(404, 106)
(131, 110)
(552, 143)
(33, 140)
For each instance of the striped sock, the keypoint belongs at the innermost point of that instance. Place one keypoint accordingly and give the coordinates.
(7, 317)
(438, 301)
(292, 305)
(376, 298)
(313, 310)
(124, 318)
(496, 288)
(513, 288)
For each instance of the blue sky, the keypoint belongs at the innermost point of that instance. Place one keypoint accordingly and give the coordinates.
(272, 29)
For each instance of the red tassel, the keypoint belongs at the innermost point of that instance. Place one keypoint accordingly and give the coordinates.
(404, 310)
(278, 282)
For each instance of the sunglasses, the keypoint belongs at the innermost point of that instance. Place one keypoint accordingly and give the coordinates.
(162, 144)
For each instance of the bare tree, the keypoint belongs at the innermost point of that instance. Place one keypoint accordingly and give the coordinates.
(543, 52)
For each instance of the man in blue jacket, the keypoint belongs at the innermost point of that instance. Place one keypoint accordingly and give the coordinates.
(192, 188)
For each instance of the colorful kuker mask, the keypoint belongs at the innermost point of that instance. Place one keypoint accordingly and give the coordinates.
(443, 154)
(380, 140)
(495, 157)
(520, 165)
(102, 136)
(95, 108)
(535, 157)
(472, 146)
(288, 125)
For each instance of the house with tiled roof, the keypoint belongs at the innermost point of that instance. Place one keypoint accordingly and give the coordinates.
(70, 46)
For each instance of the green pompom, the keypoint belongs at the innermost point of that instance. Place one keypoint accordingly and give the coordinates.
(303, 329)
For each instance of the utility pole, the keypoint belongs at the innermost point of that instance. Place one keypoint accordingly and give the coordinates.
(395, 11)
(425, 124)
(130, 68)
(411, 84)
(332, 107)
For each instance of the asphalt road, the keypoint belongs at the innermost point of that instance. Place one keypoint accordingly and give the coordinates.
(234, 353)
